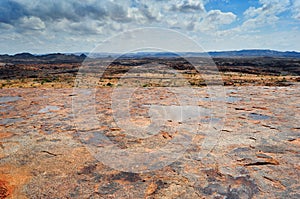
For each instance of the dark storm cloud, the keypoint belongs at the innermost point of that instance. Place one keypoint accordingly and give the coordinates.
(11, 11)
(188, 6)
(147, 13)
(71, 10)
(117, 13)
(95, 12)
(69, 16)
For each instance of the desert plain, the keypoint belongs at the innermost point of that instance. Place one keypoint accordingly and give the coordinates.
(243, 142)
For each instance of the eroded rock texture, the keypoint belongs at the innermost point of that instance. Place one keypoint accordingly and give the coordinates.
(256, 154)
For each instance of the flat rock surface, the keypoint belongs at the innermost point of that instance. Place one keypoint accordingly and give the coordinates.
(243, 146)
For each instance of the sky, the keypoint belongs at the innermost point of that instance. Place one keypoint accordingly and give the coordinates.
(47, 26)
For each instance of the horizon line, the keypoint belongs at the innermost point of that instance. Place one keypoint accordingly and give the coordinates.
(212, 51)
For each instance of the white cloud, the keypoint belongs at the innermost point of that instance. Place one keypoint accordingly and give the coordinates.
(214, 19)
(269, 7)
(218, 17)
(31, 23)
(266, 14)
(296, 9)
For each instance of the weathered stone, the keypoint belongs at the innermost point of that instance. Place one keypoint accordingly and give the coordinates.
(45, 156)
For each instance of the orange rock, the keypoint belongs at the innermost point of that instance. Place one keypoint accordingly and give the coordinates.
(4, 190)
(12, 180)
(296, 142)
(151, 188)
(5, 135)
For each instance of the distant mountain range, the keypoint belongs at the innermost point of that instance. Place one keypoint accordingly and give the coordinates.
(79, 57)
(48, 58)
(255, 53)
(240, 53)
